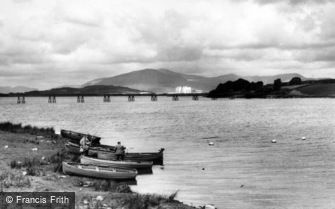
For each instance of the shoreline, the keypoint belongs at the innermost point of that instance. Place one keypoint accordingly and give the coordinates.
(30, 162)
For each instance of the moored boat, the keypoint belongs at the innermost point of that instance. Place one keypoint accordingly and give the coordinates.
(98, 171)
(76, 136)
(113, 163)
(72, 148)
(155, 157)
(107, 152)
(93, 150)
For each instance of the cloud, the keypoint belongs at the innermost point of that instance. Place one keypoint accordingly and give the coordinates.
(68, 39)
(293, 2)
(21, 1)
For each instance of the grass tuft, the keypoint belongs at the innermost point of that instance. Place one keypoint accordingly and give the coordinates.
(8, 179)
(172, 196)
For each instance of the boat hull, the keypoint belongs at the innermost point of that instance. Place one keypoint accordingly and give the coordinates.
(98, 171)
(120, 164)
(155, 157)
(72, 148)
(75, 148)
(75, 137)
(105, 152)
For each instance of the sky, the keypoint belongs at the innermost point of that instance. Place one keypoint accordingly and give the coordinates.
(52, 43)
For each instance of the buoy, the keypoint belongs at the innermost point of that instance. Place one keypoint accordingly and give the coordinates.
(211, 143)
(6, 147)
(303, 138)
(274, 141)
(34, 149)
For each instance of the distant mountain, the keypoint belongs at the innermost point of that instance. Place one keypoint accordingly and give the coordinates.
(88, 90)
(16, 89)
(157, 80)
(163, 80)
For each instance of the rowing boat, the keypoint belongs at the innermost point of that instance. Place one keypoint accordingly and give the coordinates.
(75, 137)
(113, 163)
(98, 171)
(155, 157)
(72, 148)
(93, 151)
(107, 152)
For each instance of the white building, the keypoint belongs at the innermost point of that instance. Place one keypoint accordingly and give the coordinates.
(183, 89)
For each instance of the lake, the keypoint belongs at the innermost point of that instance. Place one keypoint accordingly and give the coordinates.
(242, 170)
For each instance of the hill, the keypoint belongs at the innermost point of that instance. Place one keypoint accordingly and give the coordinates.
(16, 89)
(317, 90)
(163, 80)
(156, 80)
(294, 88)
(88, 90)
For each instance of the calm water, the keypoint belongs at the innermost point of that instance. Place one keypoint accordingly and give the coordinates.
(243, 170)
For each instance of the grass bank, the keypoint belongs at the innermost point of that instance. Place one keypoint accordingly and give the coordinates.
(18, 128)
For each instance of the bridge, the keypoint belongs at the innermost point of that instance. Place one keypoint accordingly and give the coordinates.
(21, 98)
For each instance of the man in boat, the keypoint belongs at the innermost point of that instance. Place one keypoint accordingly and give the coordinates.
(84, 145)
(119, 152)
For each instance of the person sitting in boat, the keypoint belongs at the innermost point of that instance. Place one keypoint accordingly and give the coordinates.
(120, 151)
(84, 145)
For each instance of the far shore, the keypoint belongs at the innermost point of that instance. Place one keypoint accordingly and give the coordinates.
(31, 159)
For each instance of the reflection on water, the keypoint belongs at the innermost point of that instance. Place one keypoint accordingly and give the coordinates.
(242, 170)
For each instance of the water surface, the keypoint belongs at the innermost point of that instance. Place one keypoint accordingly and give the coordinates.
(242, 170)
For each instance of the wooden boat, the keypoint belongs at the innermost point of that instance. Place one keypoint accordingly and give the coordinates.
(155, 157)
(106, 152)
(76, 136)
(72, 148)
(75, 148)
(98, 171)
(120, 164)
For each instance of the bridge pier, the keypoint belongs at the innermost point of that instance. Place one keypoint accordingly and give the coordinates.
(52, 99)
(175, 98)
(154, 98)
(21, 100)
(80, 99)
(131, 98)
(107, 98)
(195, 97)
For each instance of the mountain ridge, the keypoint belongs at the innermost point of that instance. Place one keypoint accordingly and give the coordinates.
(165, 80)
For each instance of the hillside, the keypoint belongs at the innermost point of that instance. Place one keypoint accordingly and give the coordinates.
(89, 90)
(16, 89)
(294, 88)
(318, 90)
(163, 80)
(156, 80)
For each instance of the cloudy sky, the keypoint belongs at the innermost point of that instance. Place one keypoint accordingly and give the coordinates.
(51, 43)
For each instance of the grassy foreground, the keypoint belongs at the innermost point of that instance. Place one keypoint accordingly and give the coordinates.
(30, 160)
